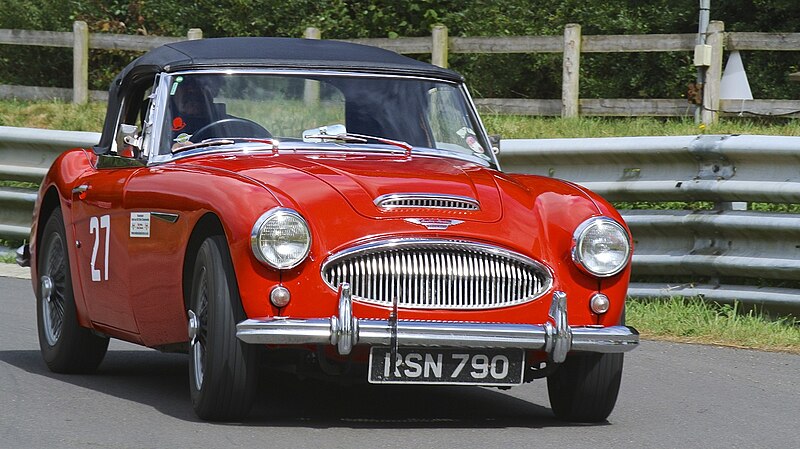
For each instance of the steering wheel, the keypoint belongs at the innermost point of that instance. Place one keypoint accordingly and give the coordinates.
(231, 127)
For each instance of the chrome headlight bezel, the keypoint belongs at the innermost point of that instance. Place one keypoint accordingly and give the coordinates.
(279, 213)
(580, 246)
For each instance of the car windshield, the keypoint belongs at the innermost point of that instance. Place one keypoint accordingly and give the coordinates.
(426, 114)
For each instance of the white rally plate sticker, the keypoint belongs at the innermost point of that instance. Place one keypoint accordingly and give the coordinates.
(446, 366)
(140, 224)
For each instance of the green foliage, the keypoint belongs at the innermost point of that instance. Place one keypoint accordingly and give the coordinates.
(645, 75)
(36, 66)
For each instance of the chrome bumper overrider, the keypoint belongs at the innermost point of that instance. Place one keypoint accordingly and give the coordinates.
(557, 338)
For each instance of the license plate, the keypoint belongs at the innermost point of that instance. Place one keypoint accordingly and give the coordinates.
(447, 366)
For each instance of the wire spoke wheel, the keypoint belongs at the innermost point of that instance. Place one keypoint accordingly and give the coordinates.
(52, 289)
(65, 345)
(201, 332)
(222, 369)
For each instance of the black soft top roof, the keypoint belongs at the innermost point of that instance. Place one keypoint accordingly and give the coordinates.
(258, 52)
(279, 52)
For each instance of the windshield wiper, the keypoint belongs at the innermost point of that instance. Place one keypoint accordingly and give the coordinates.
(362, 138)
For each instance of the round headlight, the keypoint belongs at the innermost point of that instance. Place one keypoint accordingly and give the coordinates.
(601, 247)
(280, 238)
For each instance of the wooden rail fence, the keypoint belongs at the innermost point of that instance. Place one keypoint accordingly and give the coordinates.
(439, 45)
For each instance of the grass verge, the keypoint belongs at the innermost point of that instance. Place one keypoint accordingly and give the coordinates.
(692, 320)
(52, 115)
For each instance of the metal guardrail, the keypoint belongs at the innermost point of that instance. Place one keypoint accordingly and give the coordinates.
(732, 250)
(25, 156)
(714, 246)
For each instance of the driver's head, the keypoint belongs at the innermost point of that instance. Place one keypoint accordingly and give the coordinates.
(190, 97)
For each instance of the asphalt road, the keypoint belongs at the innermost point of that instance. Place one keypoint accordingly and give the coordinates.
(673, 396)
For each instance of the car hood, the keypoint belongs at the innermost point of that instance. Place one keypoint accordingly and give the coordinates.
(530, 214)
(362, 179)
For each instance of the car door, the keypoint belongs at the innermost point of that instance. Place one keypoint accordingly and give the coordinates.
(101, 231)
(103, 226)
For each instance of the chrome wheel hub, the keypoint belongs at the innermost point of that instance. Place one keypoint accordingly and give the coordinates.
(194, 327)
(46, 287)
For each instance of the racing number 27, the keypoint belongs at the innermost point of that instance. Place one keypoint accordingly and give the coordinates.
(95, 225)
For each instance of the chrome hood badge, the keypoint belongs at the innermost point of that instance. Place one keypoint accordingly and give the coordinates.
(434, 224)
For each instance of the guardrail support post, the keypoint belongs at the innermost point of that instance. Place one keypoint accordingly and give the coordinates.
(439, 46)
(80, 62)
(311, 88)
(711, 90)
(571, 71)
(194, 34)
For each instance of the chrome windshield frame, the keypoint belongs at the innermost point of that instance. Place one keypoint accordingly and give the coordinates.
(291, 145)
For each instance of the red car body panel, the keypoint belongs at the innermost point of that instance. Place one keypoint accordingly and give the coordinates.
(142, 301)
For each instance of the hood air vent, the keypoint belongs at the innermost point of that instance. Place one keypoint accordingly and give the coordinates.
(426, 201)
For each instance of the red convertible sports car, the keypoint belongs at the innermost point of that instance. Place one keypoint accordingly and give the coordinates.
(330, 206)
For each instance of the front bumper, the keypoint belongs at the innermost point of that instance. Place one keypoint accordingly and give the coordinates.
(556, 338)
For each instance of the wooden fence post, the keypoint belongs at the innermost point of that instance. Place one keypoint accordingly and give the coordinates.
(80, 62)
(194, 34)
(711, 89)
(311, 88)
(439, 46)
(570, 78)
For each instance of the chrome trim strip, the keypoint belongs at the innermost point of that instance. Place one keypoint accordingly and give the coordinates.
(360, 73)
(169, 218)
(435, 200)
(293, 331)
(414, 273)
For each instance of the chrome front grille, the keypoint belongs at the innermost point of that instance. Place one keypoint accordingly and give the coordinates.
(437, 274)
(426, 201)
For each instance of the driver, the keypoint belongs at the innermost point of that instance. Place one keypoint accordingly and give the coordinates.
(192, 108)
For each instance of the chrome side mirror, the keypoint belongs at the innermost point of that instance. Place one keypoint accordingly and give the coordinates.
(128, 143)
(494, 141)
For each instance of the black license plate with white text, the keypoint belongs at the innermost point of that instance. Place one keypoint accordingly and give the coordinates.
(447, 366)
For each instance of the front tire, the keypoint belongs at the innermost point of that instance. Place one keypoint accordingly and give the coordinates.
(585, 387)
(222, 369)
(66, 346)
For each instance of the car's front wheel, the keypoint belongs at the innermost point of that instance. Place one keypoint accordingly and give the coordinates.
(222, 369)
(585, 387)
(66, 346)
